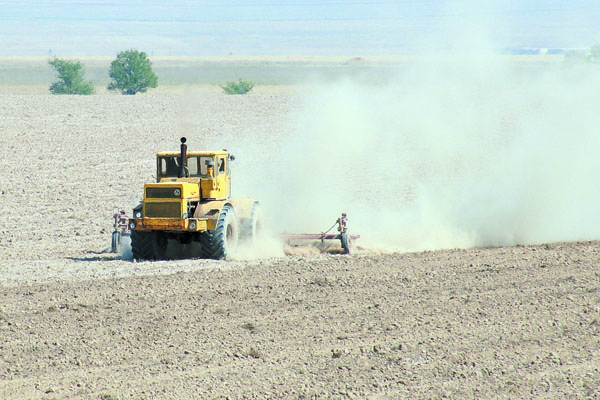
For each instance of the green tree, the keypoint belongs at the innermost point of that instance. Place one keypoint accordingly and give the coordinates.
(70, 78)
(131, 72)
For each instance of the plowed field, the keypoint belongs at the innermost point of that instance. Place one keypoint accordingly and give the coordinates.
(77, 322)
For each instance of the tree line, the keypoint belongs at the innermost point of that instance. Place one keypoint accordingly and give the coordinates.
(130, 73)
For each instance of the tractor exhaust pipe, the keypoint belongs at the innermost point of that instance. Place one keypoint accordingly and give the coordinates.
(183, 172)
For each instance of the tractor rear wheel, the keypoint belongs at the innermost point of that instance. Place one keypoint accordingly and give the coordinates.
(148, 245)
(220, 243)
(252, 227)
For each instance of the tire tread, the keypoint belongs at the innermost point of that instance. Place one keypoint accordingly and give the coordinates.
(213, 242)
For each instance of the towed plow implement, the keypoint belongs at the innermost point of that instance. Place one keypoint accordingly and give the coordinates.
(346, 239)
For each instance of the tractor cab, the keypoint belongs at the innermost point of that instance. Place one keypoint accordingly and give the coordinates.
(209, 170)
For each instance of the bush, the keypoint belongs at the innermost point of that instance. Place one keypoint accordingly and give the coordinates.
(131, 72)
(70, 78)
(239, 87)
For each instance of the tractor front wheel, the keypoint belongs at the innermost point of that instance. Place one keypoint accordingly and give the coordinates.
(150, 245)
(220, 243)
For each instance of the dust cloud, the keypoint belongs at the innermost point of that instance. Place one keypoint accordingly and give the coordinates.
(453, 153)
(125, 248)
(267, 244)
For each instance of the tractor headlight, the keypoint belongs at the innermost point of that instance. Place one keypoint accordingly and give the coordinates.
(177, 192)
(132, 225)
(193, 225)
(138, 214)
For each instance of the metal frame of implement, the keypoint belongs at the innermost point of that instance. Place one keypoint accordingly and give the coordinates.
(343, 236)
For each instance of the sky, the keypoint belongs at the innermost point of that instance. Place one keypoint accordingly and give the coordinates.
(285, 28)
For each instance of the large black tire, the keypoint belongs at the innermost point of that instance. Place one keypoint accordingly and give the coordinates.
(148, 245)
(220, 243)
(252, 228)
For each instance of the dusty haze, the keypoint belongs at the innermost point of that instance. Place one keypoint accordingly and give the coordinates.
(452, 153)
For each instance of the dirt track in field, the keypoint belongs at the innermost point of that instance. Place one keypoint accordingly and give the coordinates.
(519, 322)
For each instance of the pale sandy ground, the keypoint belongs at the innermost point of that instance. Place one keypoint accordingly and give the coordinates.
(520, 322)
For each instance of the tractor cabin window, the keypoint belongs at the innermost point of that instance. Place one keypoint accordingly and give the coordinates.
(204, 162)
(200, 166)
(168, 167)
(192, 163)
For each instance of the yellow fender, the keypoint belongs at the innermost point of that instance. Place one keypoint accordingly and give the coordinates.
(212, 209)
(243, 207)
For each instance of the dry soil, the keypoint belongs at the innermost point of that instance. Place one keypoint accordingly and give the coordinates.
(77, 322)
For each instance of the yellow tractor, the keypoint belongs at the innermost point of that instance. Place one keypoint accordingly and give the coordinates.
(191, 203)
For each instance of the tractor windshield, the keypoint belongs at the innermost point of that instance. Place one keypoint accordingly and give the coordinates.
(168, 167)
